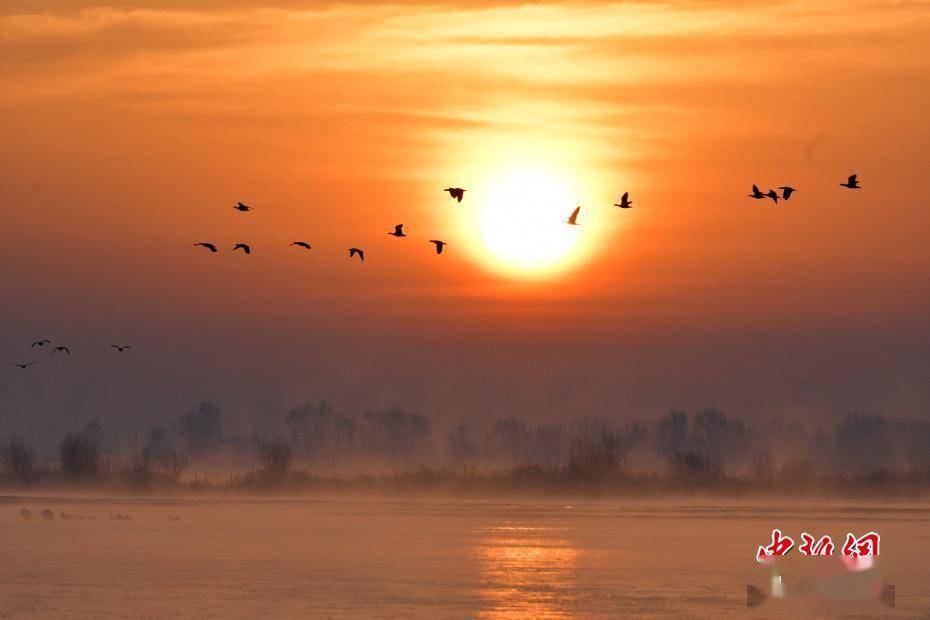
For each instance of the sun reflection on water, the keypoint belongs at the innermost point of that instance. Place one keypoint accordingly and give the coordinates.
(527, 572)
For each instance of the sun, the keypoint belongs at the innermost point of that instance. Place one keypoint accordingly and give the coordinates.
(522, 222)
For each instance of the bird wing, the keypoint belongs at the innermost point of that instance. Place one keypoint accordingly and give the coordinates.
(853, 178)
(247, 249)
(755, 190)
(625, 197)
(398, 229)
(574, 215)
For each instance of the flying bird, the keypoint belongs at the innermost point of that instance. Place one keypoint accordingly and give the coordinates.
(209, 246)
(439, 245)
(786, 191)
(852, 183)
(302, 244)
(773, 195)
(398, 231)
(40, 343)
(756, 193)
(25, 366)
(625, 201)
(572, 219)
(242, 246)
(63, 349)
(121, 348)
(354, 251)
(241, 207)
(455, 192)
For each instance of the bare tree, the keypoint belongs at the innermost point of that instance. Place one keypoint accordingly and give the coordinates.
(79, 453)
(17, 459)
(202, 427)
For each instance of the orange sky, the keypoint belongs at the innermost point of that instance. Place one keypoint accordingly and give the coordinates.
(128, 134)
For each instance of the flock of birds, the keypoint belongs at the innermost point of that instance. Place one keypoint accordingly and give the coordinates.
(62, 349)
(457, 194)
(786, 190)
(48, 515)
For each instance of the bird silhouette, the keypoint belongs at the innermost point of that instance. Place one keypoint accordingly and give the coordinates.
(573, 218)
(25, 366)
(302, 244)
(63, 349)
(40, 343)
(773, 195)
(439, 245)
(398, 231)
(241, 207)
(455, 192)
(625, 201)
(209, 246)
(121, 348)
(354, 251)
(756, 193)
(852, 182)
(786, 191)
(244, 247)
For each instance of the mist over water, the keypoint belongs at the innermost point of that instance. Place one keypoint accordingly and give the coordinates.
(369, 557)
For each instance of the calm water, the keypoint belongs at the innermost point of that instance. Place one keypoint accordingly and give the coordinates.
(427, 558)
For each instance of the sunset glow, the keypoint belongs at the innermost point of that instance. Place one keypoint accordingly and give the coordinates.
(478, 309)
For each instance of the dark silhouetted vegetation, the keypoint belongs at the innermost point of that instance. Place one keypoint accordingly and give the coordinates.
(17, 459)
(320, 448)
(275, 458)
(79, 453)
(201, 428)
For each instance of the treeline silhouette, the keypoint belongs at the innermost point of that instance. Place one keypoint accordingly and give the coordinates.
(318, 447)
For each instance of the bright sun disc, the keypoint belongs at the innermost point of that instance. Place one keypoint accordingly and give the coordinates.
(523, 221)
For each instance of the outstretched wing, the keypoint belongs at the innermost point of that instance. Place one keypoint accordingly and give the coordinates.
(755, 190)
(398, 229)
(853, 178)
(625, 197)
(574, 215)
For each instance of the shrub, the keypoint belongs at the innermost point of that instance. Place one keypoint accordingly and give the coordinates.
(595, 451)
(275, 457)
